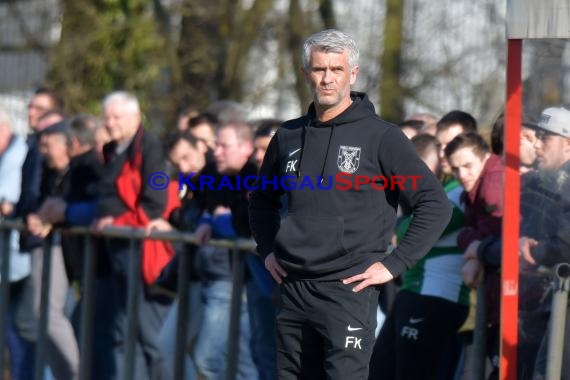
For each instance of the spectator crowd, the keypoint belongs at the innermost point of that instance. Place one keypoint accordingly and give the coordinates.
(82, 170)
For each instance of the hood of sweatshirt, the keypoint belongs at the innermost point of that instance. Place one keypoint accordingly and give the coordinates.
(360, 109)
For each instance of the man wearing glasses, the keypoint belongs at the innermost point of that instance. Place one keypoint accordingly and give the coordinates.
(43, 101)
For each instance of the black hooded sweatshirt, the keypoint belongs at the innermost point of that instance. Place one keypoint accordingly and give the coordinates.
(339, 232)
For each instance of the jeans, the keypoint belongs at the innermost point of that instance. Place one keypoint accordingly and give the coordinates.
(210, 352)
(103, 365)
(167, 337)
(21, 349)
(262, 314)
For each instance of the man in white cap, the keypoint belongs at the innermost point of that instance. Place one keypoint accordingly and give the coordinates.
(553, 145)
(545, 222)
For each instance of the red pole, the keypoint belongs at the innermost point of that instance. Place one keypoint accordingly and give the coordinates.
(511, 216)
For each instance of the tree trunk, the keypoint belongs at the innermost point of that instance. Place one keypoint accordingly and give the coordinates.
(298, 32)
(199, 50)
(391, 92)
(326, 9)
(242, 36)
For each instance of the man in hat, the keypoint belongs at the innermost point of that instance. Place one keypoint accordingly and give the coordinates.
(553, 156)
(545, 222)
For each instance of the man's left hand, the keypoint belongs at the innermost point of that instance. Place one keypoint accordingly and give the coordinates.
(376, 274)
(471, 251)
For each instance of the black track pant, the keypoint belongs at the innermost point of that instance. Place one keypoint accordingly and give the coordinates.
(412, 344)
(325, 330)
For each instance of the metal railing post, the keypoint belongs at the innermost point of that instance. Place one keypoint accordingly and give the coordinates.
(479, 357)
(41, 340)
(235, 312)
(5, 235)
(182, 317)
(558, 321)
(87, 310)
(133, 291)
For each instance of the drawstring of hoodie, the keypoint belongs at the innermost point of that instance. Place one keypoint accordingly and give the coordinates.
(303, 140)
(327, 153)
(303, 136)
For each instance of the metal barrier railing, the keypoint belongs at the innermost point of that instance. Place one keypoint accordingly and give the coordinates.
(479, 358)
(561, 289)
(238, 248)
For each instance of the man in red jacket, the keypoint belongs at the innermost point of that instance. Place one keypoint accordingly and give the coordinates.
(481, 174)
(126, 198)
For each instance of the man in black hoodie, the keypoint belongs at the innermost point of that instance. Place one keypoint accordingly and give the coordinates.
(330, 251)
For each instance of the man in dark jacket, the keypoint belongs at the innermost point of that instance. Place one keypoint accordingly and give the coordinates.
(74, 206)
(42, 103)
(77, 204)
(126, 198)
(63, 352)
(336, 234)
(545, 224)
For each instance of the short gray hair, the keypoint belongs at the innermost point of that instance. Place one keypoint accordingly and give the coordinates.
(128, 100)
(330, 40)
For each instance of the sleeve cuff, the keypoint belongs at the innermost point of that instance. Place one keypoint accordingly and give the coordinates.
(484, 254)
(206, 219)
(394, 264)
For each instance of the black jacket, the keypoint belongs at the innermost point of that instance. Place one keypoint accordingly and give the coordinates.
(85, 173)
(78, 183)
(31, 182)
(152, 201)
(545, 211)
(333, 234)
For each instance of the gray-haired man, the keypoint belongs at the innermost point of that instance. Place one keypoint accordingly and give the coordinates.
(332, 240)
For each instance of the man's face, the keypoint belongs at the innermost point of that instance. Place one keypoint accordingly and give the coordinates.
(205, 133)
(120, 121)
(552, 150)
(260, 145)
(48, 120)
(39, 105)
(527, 151)
(231, 154)
(444, 137)
(431, 159)
(329, 78)
(467, 166)
(187, 158)
(55, 150)
(101, 138)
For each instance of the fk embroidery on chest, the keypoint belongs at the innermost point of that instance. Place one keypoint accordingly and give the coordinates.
(348, 158)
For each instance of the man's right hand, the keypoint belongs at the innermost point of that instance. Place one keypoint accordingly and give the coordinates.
(99, 224)
(277, 272)
(36, 226)
(158, 224)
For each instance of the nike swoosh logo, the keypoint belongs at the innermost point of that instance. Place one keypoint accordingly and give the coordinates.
(416, 320)
(293, 152)
(353, 328)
